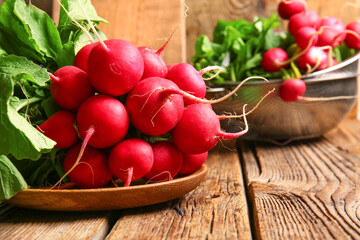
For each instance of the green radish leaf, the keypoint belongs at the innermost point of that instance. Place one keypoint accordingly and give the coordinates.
(67, 55)
(11, 180)
(15, 129)
(28, 31)
(75, 11)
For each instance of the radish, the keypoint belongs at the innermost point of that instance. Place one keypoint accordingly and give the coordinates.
(82, 56)
(330, 32)
(287, 8)
(70, 87)
(60, 128)
(151, 110)
(315, 57)
(131, 159)
(292, 89)
(274, 59)
(188, 79)
(154, 64)
(199, 130)
(192, 162)
(156, 104)
(105, 115)
(114, 66)
(352, 39)
(308, 18)
(306, 37)
(167, 162)
(91, 171)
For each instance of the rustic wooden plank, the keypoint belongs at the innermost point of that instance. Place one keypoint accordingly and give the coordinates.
(144, 23)
(18, 223)
(308, 189)
(217, 209)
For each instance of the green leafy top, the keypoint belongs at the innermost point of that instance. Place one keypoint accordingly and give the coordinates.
(239, 45)
(31, 46)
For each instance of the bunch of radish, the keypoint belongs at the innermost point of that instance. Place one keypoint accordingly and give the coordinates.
(315, 38)
(115, 99)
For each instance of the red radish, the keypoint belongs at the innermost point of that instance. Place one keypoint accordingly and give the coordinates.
(308, 18)
(314, 57)
(108, 118)
(191, 162)
(331, 29)
(60, 128)
(352, 38)
(188, 79)
(152, 111)
(287, 8)
(70, 87)
(306, 37)
(82, 56)
(169, 66)
(115, 67)
(274, 59)
(292, 89)
(91, 171)
(131, 159)
(167, 162)
(199, 130)
(154, 64)
(156, 104)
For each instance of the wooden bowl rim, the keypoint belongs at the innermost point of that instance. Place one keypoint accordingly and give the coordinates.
(198, 173)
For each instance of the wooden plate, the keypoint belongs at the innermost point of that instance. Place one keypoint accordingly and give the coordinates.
(107, 198)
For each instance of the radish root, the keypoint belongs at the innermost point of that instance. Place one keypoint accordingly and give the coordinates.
(89, 133)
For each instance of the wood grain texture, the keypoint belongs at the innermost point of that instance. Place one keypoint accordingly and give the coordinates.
(26, 224)
(108, 198)
(217, 209)
(308, 189)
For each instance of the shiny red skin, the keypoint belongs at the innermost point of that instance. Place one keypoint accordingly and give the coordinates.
(167, 162)
(60, 128)
(92, 171)
(308, 18)
(82, 56)
(116, 69)
(273, 58)
(291, 89)
(70, 87)
(131, 153)
(287, 8)
(331, 36)
(188, 79)
(107, 116)
(151, 111)
(311, 57)
(304, 36)
(352, 41)
(192, 162)
(154, 64)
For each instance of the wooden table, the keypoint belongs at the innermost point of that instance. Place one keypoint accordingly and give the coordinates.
(304, 190)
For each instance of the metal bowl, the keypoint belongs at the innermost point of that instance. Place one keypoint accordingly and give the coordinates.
(280, 121)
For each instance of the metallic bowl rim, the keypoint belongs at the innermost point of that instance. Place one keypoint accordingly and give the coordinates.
(312, 77)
